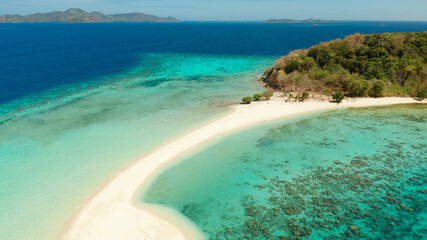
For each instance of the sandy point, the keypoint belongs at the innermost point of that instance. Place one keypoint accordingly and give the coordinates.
(111, 215)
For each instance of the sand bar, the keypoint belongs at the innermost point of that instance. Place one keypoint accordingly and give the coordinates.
(110, 213)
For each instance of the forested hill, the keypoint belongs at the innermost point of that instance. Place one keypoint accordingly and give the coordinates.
(76, 15)
(387, 64)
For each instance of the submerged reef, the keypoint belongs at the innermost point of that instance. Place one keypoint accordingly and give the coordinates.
(369, 198)
(377, 196)
(351, 174)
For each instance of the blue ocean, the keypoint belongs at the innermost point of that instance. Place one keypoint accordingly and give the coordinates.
(37, 57)
(79, 102)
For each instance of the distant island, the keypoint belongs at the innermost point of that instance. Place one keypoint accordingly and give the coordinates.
(378, 65)
(310, 20)
(76, 15)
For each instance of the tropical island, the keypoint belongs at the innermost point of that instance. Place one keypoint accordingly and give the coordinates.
(378, 65)
(391, 64)
(310, 20)
(77, 15)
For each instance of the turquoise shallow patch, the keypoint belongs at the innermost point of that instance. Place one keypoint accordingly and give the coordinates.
(57, 147)
(350, 173)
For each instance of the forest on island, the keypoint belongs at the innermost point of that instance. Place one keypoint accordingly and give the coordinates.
(377, 65)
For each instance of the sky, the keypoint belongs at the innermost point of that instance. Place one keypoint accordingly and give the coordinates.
(236, 10)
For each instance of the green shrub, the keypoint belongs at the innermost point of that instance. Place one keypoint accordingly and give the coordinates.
(414, 85)
(422, 94)
(378, 89)
(338, 96)
(396, 90)
(358, 87)
(321, 54)
(319, 74)
(292, 65)
(307, 64)
(375, 69)
(247, 100)
(257, 96)
(268, 94)
(304, 96)
(299, 64)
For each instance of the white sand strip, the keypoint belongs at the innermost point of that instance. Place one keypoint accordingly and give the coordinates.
(110, 214)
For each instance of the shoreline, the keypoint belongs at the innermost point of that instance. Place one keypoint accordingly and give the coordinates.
(111, 212)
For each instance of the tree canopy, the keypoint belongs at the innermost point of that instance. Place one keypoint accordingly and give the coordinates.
(387, 64)
(247, 100)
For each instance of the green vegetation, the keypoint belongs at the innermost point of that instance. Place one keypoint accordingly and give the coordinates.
(267, 94)
(388, 64)
(247, 100)
(338, 96)
(422, 94)
(304, 96)
(257, 96)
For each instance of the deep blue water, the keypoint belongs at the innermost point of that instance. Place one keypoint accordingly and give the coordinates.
(37, 57)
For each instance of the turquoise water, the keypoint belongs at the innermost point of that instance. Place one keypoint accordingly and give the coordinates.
(58, 146)
(78, 102)
(356, 173)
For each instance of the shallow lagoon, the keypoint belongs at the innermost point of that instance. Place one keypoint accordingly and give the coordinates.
(58, 147)
(357, 173)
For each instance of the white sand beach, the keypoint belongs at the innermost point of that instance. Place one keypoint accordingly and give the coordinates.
(111, 215)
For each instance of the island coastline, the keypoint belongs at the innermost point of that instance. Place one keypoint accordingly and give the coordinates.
(111, 213)
(77, 15)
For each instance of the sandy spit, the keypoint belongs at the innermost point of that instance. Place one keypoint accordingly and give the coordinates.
(110, 213)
